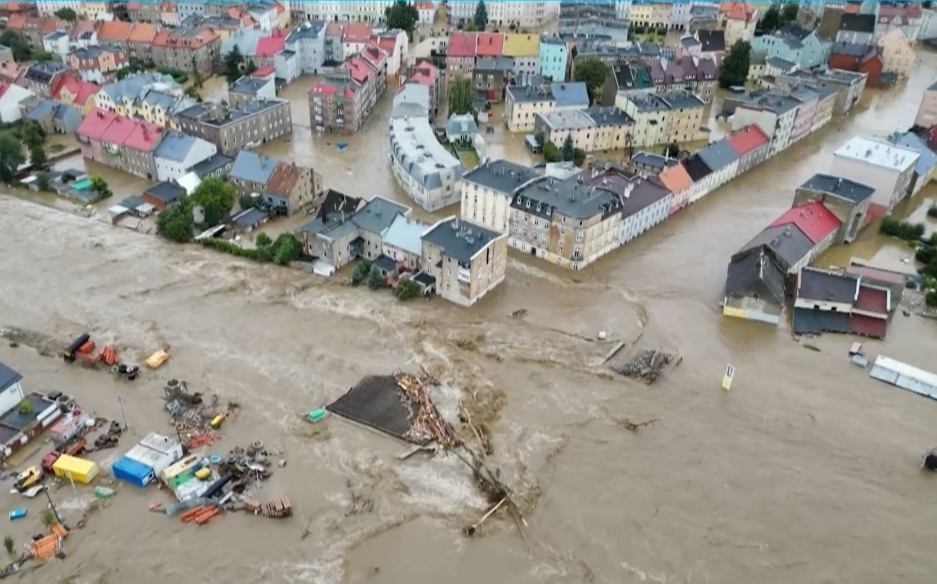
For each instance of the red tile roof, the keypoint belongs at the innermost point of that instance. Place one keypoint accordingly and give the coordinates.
(115, 30)
(144, 137)
(868, 326)
(737, 10)
(357, 32)
(387, 43)
(489, 44)
(373, 56)
(142, 33)
(16, 22)
(10, 70)
(747, 139)
(675, 178)
(872, 299)
(333, 88)
(118, 130)
(95, 123)
(815, 220)
(80, 27)
(462, 45)
(270, 46)
(359, 69)
(82, 90)
(334, 29)
(263, 71)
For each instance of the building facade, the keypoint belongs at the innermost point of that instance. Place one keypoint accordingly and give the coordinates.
(467, 261)
(885, 167)
(232, 130)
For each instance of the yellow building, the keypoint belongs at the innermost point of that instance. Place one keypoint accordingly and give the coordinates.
(686, 118)
(640, 13)
(612, 127)
(521, 45)
(523, 104)
(650, 113)
(487, 191)
(90, 10)
(897, 51)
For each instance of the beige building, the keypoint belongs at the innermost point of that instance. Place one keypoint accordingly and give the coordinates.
(738, 20)
(612, 127)
(487, 191)
(662, 119)
(927, 112)
(556, 127)
(466, 260)
(897, 53)
(686, 119)
(564, 222)
(523, 104)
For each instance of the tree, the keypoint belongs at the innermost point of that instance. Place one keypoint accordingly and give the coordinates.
(47, 518)
(361, 271)
(8, 544)
(263, 240)
(735, 65)
(232, 63)
(481, 15)
(406, 290)
(249, 68)
(216, 198)
(771, 20)
(11, 156)
(32, 134)
(375, 278)
(42, 182)
(461, 97)
(37, 156)
(26, 406)
(470, 27)
(249, 202)
(551, 153)
(175, 222)
(100, 186)
(402, 15)
(789, 12)
(672, 150)
(20, 48)
(286, 249)
(44, 56)
(579, 156)
(66, 13)
(568, 152)
(592, 72)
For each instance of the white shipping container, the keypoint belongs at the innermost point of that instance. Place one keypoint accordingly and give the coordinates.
(150, 458)
(163, 445)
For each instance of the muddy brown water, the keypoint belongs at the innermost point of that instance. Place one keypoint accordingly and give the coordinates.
(807, 471)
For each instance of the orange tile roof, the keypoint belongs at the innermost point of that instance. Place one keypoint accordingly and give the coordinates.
(675, 178)
(356, 32)
(16, 22)
(115, 30)
(490, 44)
(80, 27)
(334, 29)
(142, 33)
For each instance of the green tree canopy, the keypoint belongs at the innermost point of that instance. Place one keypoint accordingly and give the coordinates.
(32, 134)
(481, 15)
(175, 222)
(37, 156)
(20, 48)
(286, 249)
(461, 97)
(402, 15)
(216, 197)
(551, 153)
(579, 156)
(232, 64)
(375, 279)
(406, 290)
(11, 156)
(592, 72)
(789, 12)
(44, 57)
(735, 65)
(67, 13)
(672, 150)
(771, 20)
(568, 152)
(100, 186)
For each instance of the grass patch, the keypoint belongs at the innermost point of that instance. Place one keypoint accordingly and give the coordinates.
(469, 158)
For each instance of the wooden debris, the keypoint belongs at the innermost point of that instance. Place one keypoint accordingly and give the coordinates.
(647, 365)
(471, 529)
(634, 427)
(427, 422)
(280, 508)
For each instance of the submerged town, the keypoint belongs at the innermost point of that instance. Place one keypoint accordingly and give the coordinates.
(510, 159)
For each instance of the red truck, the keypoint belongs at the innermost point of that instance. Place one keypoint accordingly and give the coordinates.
(73, 448)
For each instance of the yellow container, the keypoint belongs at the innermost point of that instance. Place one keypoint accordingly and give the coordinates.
(174, 470)
(76, 469)
(203, 474)
(218, 420)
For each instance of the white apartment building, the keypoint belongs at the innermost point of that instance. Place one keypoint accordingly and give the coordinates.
(501, 13)
(774, 115)
(50, 7)
(487, 191)
(427, 12)
(423, 167)
(523, 104)
(353, 11)
(885, 167)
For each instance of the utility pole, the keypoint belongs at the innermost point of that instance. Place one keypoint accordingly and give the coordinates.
(52, 506)
(120, 401)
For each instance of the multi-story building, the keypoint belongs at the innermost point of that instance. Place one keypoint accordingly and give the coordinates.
(232, 130)
(503, 13)
(848, 200)
(695, 75)
(885, 167)
(50, 7)
(97, 64)
(523, 104)
(826, 102)
(460, 54)
(426, 11)
(557, 126)
(611, 128)
(849, 86)
(342, 11)
(466, 260)
(56, 43)
(897, 53)
(425, 73)
(177, 154)
(308, 42)
(662, 119)
(752, 146)
(857, 29)
(187, 49)
(524, 50)
(119, 142)
(355, 37)
(554, 58)
(564, 222)
(123, 96)
(284, 186)
(80, 94)
(488, 189)
(248, 89)
(428, 172)
(927, 111)
(806, 111)
(859, 58)
(358, 83)
(722, 159)
(680, 185)
(396, 45)
(43, 78)
(738, 20)
(91, 10)
(490, 76)
(686, 118)
(645, 201)
(908, 17)
(775, 116)
(795, 44)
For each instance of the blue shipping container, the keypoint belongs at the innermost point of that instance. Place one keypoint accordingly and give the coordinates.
(133, 472)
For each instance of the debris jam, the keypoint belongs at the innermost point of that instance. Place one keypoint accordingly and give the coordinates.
(427, 424)
(647, 365)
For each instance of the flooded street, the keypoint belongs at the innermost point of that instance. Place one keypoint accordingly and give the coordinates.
(808, 471)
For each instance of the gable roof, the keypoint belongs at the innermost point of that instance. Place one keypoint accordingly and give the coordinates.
(166, 191)
(405, 233)
(675, 178)
(745, 270)
(816, 284)
(718, 155)
(814, 219)
(8, 376)
(696, 167)
(747, 139)
(787, 243)
(857, 23)
(570, 94)
(461, 44)
(489, 44)
(175, 146)
(928, 159)
(839, 187)
(893, 36)
(95, 123)
(252, 167)
(712, 41)
(114, 30)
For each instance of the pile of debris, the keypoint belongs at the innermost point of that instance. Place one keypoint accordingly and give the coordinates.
(427, 424)
(647, 365)
(193, 419)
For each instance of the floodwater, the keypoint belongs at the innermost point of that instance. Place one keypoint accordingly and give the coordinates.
(807, 471)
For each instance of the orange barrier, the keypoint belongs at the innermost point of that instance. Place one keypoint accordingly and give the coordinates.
(207, 516)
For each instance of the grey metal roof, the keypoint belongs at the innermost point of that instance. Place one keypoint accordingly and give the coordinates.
(544, 197)
(927, 160)
(644, 194)
(857, 23)
(175, 146)
(838, 186)
(718, 155)
(54, 36)
(537, 90)
(652, 159)
(134, 86)
(684, 100)
(494, 63)
(63, 110)
(44, 72)
(786, 243)
(696, 167)
(815, 322)
(570, 94)
(463, 124)
(460, 239)
(852, 49)
(814, 284)
(378, 214)
(166, 191)
(712, 41)
(253, 167)
(782, 64)
(248, 85)
(405, 233)
(501, 176)
(309, 29)
(609, 116)
(8, 376)
(249, 217)
(212, 164)
(45, 108)
(745, 270)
